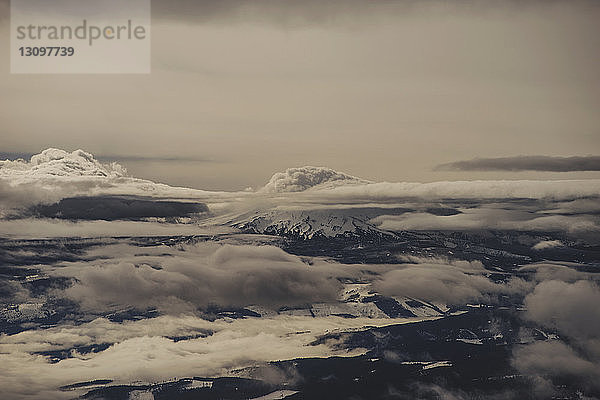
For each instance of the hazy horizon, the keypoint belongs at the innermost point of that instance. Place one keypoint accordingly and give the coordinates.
(383, 91)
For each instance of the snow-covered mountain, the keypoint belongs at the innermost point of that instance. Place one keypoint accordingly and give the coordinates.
(309, 224)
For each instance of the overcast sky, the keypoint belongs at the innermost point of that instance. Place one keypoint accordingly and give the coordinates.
(381, 90)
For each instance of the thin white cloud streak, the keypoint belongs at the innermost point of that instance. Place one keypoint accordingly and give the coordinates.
(547, 244)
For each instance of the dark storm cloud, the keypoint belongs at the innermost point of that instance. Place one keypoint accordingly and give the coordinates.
(526, 163)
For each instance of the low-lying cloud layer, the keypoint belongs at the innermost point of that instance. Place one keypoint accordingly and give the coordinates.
(142, 352)
(448, 283)
(226, 276)
(177, 280)
(184, 281)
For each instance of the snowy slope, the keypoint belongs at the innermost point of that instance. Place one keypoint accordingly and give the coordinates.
(309, 224)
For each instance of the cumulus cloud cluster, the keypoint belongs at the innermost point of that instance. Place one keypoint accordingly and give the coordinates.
(56, 162)
(56, 174)
(555, 359)
(558, 297)
(303, 178)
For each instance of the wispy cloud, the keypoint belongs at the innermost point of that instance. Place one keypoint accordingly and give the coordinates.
(526, 163)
